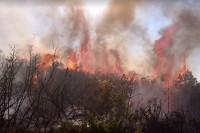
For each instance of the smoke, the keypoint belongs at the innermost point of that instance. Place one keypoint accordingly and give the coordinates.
(178, 40)
(68, 24)
(110, 31)
(110, 43)
(118, 17)
(187, 37)
(172, 50)
(103, 52)
(14, 27)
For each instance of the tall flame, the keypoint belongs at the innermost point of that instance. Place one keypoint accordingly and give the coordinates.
(165, 64)
(92, 59)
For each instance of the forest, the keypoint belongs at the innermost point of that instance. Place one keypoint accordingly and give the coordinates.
(100, 66)
(38, 95)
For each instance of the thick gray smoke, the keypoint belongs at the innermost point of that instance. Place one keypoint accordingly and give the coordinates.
(177, 49)
(187, 36)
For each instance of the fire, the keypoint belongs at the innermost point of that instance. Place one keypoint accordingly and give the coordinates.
(155, 76)
(92, 58)
(164, 42)
(164, 66)
(47, 60)
(182, 71)
(107, 61)
(71, 60)
(43, 65)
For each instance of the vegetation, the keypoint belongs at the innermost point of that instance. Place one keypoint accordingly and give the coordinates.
(34, 98)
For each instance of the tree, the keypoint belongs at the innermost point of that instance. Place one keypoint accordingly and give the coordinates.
(188, 92)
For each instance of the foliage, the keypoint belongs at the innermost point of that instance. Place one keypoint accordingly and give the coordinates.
(58, 100)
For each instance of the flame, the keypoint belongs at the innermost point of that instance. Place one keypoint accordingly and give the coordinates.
(155, 76)
(107, 61)
(71, 60)
(47, 60)
(183, 70)
(43, 65)
(164, 67)
(92, 59)
(164, 42)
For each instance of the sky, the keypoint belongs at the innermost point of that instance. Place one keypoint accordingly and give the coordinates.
(24, 24)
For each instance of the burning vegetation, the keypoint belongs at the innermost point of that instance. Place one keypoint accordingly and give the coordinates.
(87, 86)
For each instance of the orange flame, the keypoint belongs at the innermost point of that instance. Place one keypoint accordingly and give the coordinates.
(165, 64)
(71, 60)
(91, 59)
(47, 60)
(183, 70)
(165, 68)
(43, 65)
